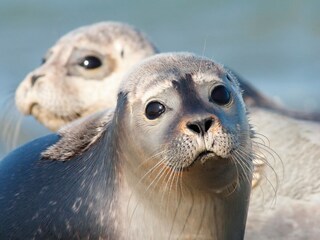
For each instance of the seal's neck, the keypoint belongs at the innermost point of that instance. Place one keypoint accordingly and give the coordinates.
(185, 214)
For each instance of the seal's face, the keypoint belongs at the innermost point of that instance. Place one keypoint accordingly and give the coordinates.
(81, 73)
(194, 121)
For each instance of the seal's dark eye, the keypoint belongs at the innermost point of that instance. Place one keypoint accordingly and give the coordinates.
(220, 95)
(90, 62)
(154, 110)
(43, 61)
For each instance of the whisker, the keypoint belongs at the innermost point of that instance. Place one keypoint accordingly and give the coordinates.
(150, 170)
(259, 155)
(263, 138)
(268, 150)
(261, 173)
(240, 161)
(16, 133)
(167, 177)
(201, 61)
(146, 190)
(178, 204)
(179, 183)
(237, 171)
(171, 179)
(156, 180)
(152, 157)
(10, 126)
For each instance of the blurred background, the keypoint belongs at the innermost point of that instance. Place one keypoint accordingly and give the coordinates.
(275, 45)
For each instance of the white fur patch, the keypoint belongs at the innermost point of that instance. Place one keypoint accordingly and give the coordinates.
(156, 90)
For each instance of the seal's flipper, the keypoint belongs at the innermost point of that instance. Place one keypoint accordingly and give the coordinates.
(82, 133)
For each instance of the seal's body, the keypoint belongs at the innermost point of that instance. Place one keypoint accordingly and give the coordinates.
(43, 199)
(173, 160)
(285, 204)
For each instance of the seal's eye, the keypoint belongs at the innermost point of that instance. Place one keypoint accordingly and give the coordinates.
(154, 110)
(90, 62)
(220, 95)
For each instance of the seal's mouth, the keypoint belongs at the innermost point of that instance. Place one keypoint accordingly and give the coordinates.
(205, 156)
(52, 120)
(31, 108)
(36, 108)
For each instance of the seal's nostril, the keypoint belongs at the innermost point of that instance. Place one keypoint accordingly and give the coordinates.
(208, 124)
(194, 127)
(200, 127)
(34, 78)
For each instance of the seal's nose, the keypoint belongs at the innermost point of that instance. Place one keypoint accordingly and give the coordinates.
(34, 78)
(201, 126)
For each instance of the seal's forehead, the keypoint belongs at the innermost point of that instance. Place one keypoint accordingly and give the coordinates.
(101, 32)
(104, 34)
(156, 74)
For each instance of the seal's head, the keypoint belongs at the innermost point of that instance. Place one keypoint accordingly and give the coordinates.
(185, 148)
(79, 70)
(187, 115)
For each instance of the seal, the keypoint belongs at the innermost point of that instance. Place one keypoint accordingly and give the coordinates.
(81, 73)
(172, 160)
(285, 203)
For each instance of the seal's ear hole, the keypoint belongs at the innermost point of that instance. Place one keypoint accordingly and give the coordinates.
(220, 95)
(43, 60)
(154, 110)
(46, 57)
(90, 62)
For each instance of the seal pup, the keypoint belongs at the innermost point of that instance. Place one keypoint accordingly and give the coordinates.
(173, 160)
(81, 73)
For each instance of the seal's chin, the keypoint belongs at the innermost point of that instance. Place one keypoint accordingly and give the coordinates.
(209, 172)
(51, 120)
